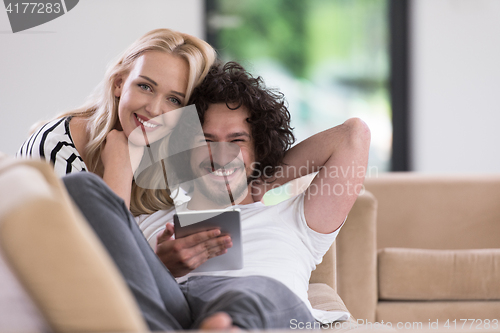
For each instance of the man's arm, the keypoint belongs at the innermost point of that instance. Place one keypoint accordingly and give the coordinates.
(303, 159)
(341, 155)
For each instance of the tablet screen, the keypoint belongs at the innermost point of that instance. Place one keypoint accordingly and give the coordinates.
(228, 221)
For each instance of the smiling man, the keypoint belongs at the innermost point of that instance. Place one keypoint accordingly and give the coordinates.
(222, 170)
(282, 244)
(222, 158)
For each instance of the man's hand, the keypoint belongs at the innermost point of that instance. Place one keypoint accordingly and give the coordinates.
(183, 255)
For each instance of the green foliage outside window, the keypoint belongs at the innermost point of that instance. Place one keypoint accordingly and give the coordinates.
(329, 57)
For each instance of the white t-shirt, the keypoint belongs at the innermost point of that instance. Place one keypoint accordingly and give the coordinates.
(277, 243)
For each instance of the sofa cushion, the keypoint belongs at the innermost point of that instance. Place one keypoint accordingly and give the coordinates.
(421, 314)
(423, 211)
(416, 274)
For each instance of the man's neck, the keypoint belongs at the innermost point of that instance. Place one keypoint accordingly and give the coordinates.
(201, 202)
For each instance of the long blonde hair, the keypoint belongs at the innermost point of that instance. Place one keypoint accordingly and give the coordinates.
(101, 109)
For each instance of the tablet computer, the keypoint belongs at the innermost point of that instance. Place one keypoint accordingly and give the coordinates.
(228, 221)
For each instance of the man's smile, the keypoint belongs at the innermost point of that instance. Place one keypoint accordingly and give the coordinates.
(221, 173)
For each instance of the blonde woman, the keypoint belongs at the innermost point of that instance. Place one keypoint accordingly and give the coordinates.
(154, 76)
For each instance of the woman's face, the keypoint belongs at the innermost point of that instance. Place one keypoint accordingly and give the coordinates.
(155, 86)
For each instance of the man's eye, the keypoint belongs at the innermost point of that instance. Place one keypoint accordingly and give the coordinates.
(144, 87)
(238, 140)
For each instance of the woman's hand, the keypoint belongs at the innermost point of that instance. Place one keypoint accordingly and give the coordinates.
(183, 255)
(120, 159)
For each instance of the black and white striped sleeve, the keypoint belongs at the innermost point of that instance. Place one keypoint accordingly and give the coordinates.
(53, 143)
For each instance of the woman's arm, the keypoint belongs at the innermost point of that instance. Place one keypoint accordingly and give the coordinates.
(117, 167)
(120, 159)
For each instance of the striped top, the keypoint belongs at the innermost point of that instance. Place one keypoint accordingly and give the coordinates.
(53, 143)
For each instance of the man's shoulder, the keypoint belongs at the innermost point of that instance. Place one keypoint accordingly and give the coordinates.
(292, 205)
(294, 202)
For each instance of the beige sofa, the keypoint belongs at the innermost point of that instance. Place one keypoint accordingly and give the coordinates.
(54, 273)
(56, 276)
(435, 256)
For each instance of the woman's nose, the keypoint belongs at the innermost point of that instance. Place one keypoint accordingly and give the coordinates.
(154, 107)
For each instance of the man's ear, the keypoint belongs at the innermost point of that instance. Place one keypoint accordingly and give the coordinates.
(118, 85)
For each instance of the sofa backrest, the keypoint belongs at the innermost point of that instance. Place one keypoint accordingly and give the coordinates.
(57, 257)
(437, 211)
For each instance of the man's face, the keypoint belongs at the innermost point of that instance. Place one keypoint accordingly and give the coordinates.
(226, 165)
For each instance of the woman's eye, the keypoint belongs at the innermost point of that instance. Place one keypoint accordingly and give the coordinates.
(238, 140)
(144, 87)
(174, 100)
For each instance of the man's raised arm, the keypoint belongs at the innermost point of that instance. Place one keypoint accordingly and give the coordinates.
(341, 155)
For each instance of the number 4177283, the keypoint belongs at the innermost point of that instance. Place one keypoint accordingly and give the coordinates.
(472, 324)
(34, 8)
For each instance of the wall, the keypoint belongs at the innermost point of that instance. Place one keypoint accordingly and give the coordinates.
(455, 87)
(455, 71)
(53, 67)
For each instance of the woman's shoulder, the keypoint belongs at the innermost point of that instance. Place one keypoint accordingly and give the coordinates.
(57, 127)
(53, 142)
(45, 137)
(78, 132)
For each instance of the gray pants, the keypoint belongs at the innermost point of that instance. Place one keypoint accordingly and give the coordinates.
(254, 302)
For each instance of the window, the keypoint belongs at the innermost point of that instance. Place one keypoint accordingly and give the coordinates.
(329, 57)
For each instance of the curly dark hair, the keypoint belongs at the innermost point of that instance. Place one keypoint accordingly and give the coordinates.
(269, 117)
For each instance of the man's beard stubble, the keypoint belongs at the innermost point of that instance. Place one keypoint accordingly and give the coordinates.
(219, 195)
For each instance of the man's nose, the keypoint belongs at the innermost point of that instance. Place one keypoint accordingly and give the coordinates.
(224, 153)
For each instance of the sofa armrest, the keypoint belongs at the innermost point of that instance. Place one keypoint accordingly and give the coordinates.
(357, 259)
(323, 297)
(56, 255)
(326, 272)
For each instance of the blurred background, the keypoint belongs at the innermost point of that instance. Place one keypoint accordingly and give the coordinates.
(330, 59)
(424, 74)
